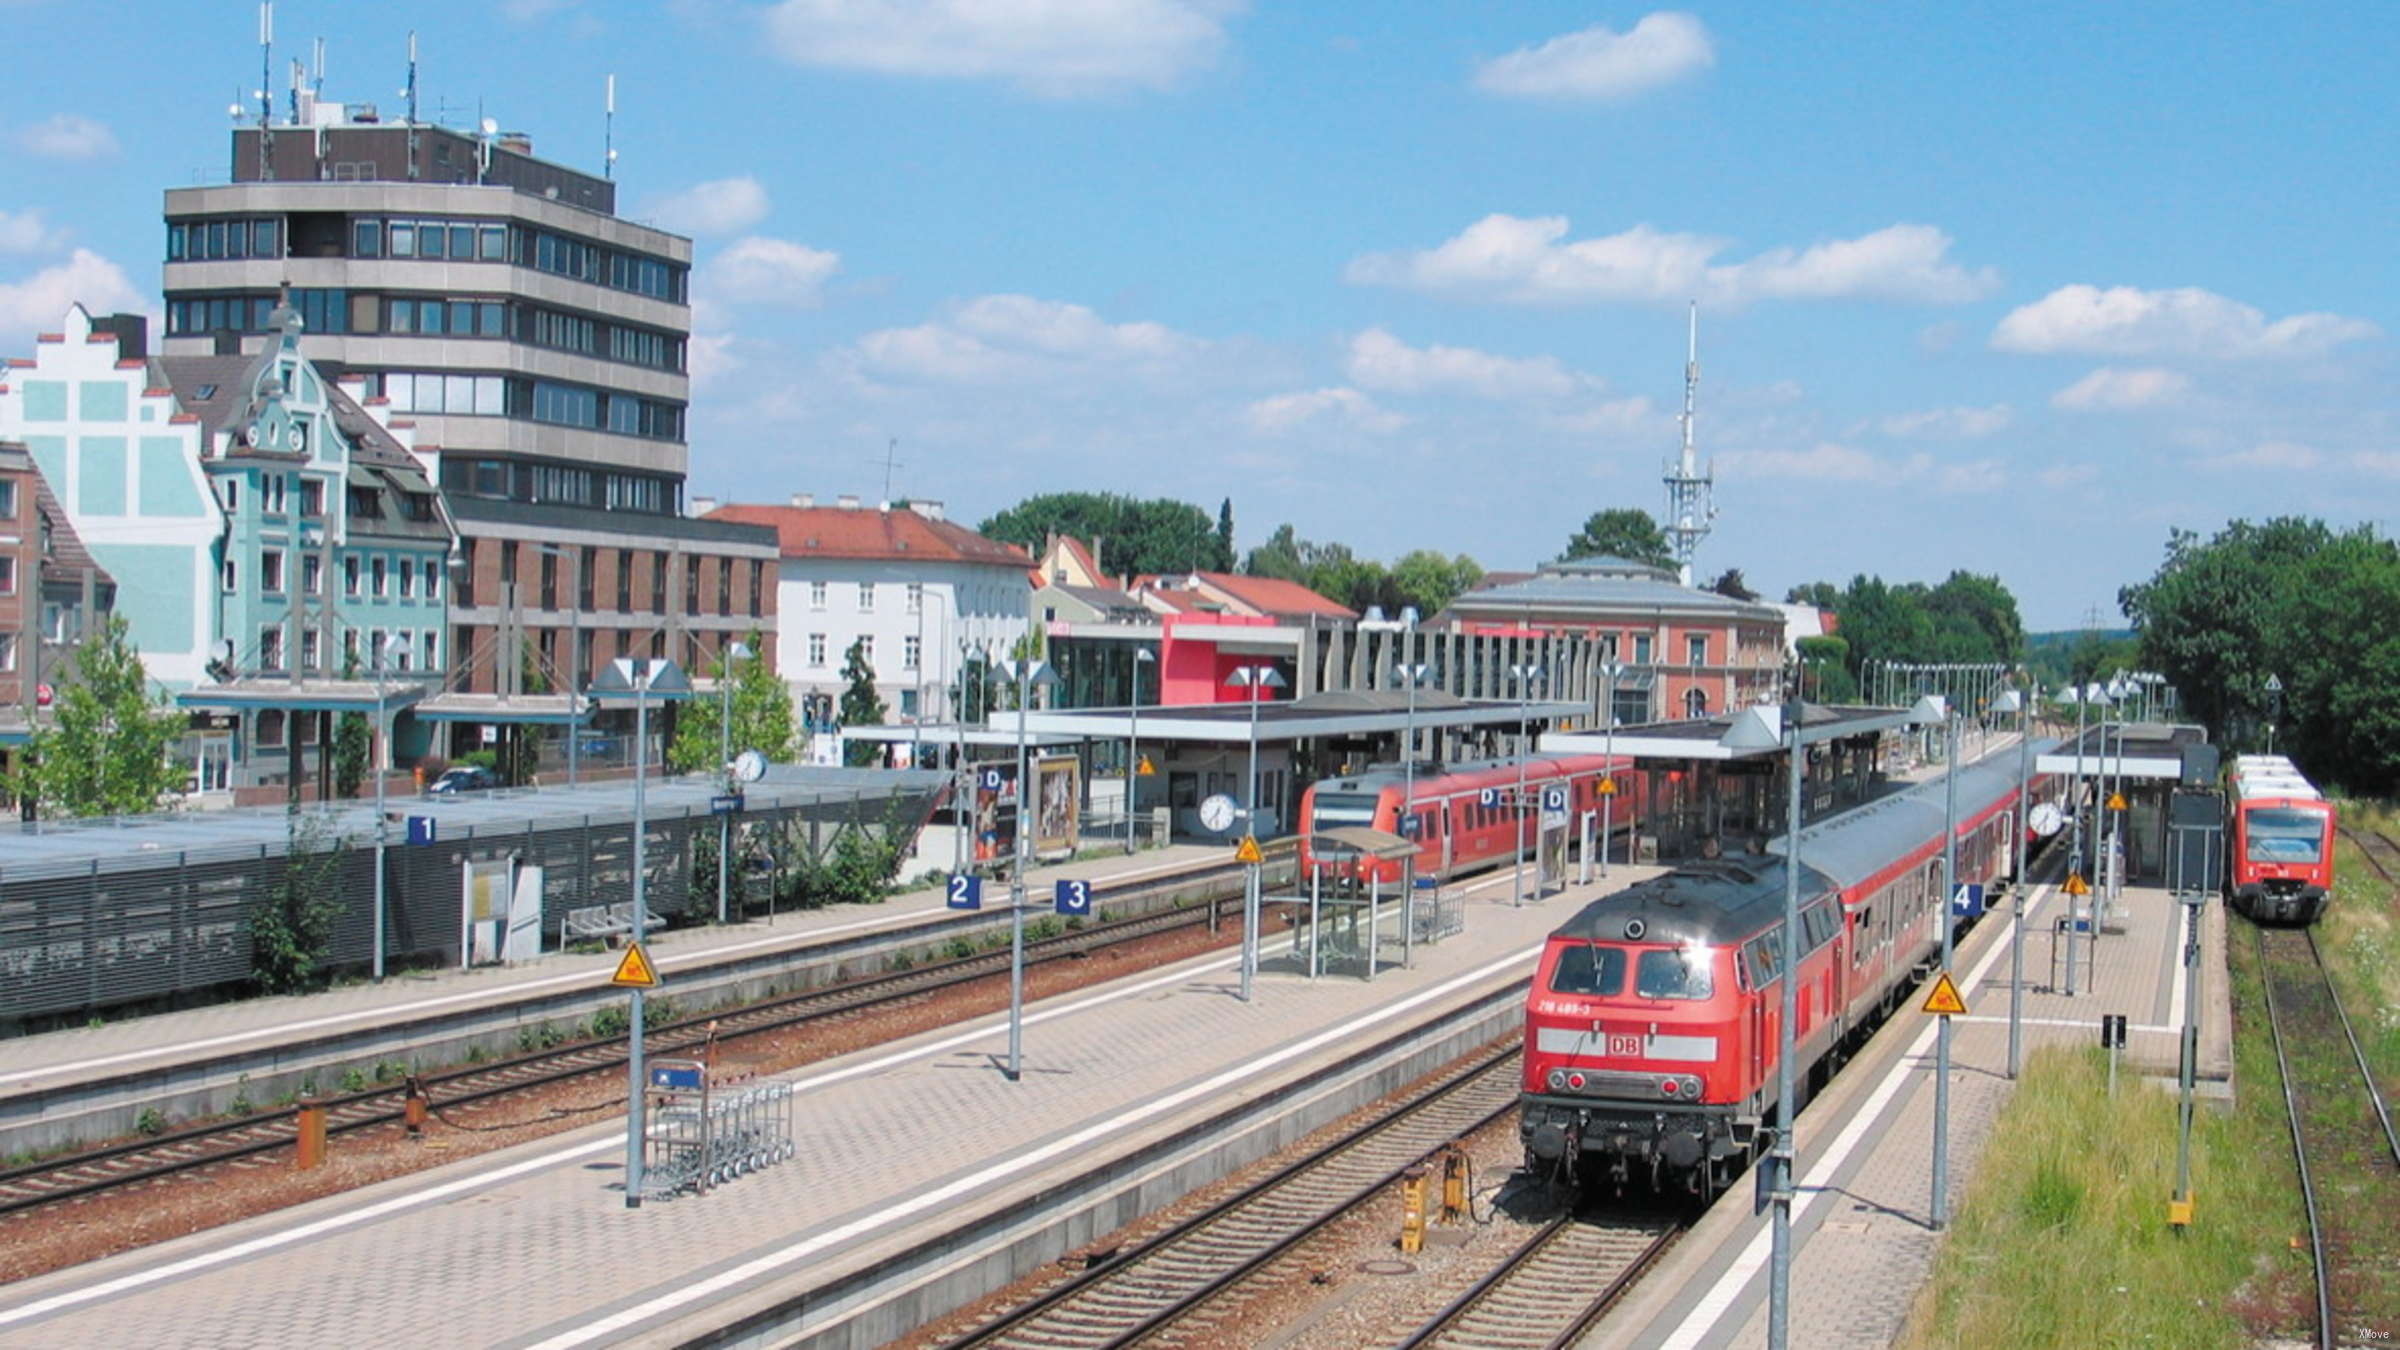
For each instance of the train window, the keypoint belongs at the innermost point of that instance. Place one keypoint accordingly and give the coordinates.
(1816, 927)
(1766, 959)
(1588, 969)
(1344, 808)
(2277, 836)
(1680, 973)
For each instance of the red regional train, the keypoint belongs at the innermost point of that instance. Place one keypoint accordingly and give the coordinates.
(2279, 835)
(1651, 1029)
(1464, 816)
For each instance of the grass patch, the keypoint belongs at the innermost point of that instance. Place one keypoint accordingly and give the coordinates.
(2063, 1238)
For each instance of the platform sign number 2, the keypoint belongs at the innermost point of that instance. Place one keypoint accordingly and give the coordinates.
(1074, 897)
(966, 892)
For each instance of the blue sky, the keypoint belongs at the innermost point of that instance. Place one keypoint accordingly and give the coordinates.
(2015, 288)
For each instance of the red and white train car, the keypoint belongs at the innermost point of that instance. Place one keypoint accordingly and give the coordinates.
(1466, 816)
(2279, 837)
(1652, 1027)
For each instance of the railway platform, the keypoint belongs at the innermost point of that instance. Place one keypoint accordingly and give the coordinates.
(1863, 1243)
(88, 1082)
(923, 1177)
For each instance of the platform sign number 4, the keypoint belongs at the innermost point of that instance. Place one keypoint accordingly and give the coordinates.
(1966, 900)
(1074, 897)
(966, 892)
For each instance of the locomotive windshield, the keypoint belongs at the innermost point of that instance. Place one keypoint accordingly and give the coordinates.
(1680, 973)
(1588, 970)
(1344, 808)
(2281, 836)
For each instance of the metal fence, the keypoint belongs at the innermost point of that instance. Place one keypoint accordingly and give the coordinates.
(152, 923)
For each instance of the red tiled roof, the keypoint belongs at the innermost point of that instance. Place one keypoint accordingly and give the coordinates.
(1266, 595)
(867, 532)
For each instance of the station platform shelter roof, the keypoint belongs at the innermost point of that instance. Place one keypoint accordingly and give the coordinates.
(2133, 750)
(1347, 712)
(52, 847)
(1750, 733)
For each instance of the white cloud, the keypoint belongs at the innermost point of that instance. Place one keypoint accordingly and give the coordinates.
(1981, 475)
(68, 136)
(2067, 475)
(710, 357)
(2267, 455)
(2385, 462)
(2186, 321)
(1597, 63)
(765, 271)
(1528, 260)
(1014, 338)
(27, 232)
(1051, 48)
(1378, 360)
(1840, 463)
(1614, 418)
(1962, 423)
(40, 301)
(1285, 412)
(2118, 388)
(720, 206)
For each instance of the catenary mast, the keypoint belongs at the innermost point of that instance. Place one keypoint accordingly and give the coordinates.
(1691, 504)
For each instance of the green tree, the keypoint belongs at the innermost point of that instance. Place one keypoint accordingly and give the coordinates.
(1279, 557)
(861, 705)
(1822, 594)
(1621, 532)
(1224, 562)
(1430, 580)
(1158, 535)
(763, 719)
(353, 742)
(2293, 599)
(1978, 617)
(104, 751)
(292, 923)
(1731, 585)
(1825, 670)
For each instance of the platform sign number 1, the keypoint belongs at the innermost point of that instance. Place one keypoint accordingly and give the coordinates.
(1074, 897)
(966, 891)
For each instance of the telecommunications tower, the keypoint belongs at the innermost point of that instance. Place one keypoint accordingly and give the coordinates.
(1691, 504)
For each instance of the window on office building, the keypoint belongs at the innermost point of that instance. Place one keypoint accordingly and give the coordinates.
(816, 650)
(916, 597)
(312, 574)
(1695, 649)
(866, 597)
(270, 647)
(910, 647)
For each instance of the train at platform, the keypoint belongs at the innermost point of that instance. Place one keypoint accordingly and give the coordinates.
(2278, 841)
(1652, 1025)
(1463, 817)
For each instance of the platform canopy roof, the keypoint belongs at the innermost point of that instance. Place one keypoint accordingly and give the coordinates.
(1343, 713)
(2147, 750)
(276, 692)
(1748, 733)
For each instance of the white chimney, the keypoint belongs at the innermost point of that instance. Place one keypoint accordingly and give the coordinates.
(701, 506)
(929, 510)
(848, 501)
(804, 499)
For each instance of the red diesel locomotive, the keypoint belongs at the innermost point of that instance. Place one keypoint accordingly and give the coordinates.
(1651, 1029)
(2279, 834)
(1465, 816)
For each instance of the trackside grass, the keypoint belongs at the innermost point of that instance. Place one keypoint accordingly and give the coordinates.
(2063, 1240)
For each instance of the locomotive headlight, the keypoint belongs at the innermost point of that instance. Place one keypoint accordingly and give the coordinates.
(1670, 1087)
(1558, 1079)
(1575, 1081)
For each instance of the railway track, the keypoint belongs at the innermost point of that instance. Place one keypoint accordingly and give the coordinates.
(2338, 1118)
(1172, 1287)
(1552, 1289)
(2380, 850)
(232, 1141)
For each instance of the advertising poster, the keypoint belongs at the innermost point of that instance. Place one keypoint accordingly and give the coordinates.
(995, 816)
(1058, 803)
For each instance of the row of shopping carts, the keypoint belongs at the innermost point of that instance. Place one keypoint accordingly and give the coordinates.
(701, 1130)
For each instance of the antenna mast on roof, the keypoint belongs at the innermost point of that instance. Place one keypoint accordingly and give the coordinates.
(608, 134)
(266, 96)
(1691, 504)
(891, 461)
(411, 92)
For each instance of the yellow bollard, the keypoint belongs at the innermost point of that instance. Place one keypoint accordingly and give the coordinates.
(312, 1135)
(1412, 1210)
(1454, 1182)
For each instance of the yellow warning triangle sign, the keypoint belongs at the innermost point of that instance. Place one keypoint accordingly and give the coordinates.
(1248, 852)
(1145, 768)
(2116, 801)
(2076, 885)
(635, 969)
(1608, 787)
(1943, 997)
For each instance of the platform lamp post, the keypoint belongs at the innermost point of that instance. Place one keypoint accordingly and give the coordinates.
(1941, 1062)
(2274, 688)
(1411, 674)
(2020, 703)
(1133, 741)
(1610, 671)
(643, 681)
(1030, 674)
(391, 643)
(1254, 679)
(734, 652)
(1525, 676)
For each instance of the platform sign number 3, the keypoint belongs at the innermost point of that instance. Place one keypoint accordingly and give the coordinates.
(1074, 897)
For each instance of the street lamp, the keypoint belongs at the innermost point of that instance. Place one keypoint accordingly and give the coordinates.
(1610, 671)
(392, 642)
(734, 652)
(1133, 740)
(1525, 676)
(1029, 675)
(2011, 700)
(916, 746)
(641, 680)
(1413, 674)
(1949, 919)
(1254, 679)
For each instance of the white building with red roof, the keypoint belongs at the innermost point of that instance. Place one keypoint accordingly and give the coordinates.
(921, 591)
